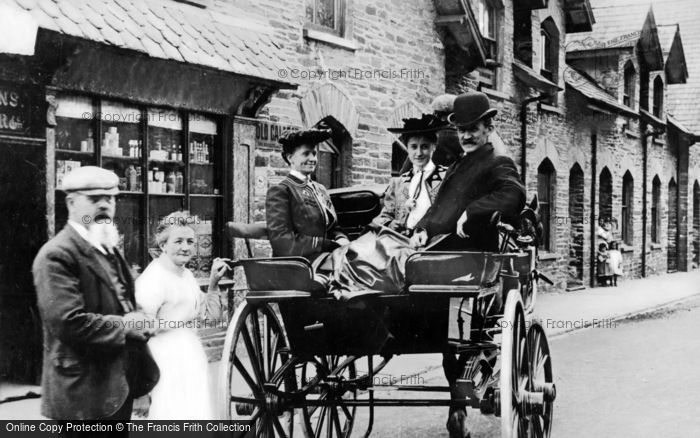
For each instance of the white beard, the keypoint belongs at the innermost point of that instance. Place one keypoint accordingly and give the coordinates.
(105, 234)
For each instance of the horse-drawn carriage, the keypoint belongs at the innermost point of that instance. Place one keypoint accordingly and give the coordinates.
(298, 360)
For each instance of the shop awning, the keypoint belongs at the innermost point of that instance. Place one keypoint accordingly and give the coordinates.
(166, 30)
(531, 78)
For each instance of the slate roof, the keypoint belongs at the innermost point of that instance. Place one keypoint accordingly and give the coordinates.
(615, 26)
(588, 87)
(682, 99)
(167, 30)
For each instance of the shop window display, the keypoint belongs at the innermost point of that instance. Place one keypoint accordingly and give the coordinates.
(157, 173)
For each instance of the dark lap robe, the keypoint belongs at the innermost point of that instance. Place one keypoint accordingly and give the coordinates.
(376, 261)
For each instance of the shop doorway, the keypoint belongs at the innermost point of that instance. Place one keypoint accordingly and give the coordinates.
(22, 232)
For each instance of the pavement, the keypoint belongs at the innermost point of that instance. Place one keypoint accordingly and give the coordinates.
(559, 313)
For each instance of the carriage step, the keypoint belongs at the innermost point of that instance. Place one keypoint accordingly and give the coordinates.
(428, 388)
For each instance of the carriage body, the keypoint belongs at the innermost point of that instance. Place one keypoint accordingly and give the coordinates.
(308, 370)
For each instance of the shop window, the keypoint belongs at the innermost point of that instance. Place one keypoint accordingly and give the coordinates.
(655, 209)
(627, 208)
(522, 34)
(326, 15)
(629, 79)
(166, 161)
(546, 181)
(658, 97)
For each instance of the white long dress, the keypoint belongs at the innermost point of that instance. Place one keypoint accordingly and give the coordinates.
(175, 301)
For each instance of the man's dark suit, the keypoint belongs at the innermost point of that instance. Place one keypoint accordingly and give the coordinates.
(481, 183)
(86, 353)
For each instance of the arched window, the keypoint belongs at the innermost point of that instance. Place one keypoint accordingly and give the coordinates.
(672, 229)
(629, 83)
(655, 209)
(546, 185)
(605, 194)
(696, 223)
(333, 155)
(627, 208)
(658, 96)
(549, 50)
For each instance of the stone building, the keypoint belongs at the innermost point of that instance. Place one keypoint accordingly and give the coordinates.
(585, 92)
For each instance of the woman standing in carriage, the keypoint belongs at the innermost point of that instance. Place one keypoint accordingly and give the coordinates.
(301, 220)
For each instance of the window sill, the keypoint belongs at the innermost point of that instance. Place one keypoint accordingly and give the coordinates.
(328, 38)
(547, 256)
(552, 109)
(659, 142)
(632, 134)
(495, 94)
(626, 248)
(655, 246)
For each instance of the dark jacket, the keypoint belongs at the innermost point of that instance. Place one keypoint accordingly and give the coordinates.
(395, 211)
(480, 183)
(85, 349)
(297, 224)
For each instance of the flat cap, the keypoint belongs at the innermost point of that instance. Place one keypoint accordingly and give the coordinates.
(91, 180)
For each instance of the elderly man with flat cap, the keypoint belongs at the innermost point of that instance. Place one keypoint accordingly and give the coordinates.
(478, 184)
(95, 358)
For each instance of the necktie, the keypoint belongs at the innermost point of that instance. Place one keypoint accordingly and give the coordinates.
(418, 190)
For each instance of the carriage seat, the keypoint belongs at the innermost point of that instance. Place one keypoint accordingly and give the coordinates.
(273, 278)
(450, 272)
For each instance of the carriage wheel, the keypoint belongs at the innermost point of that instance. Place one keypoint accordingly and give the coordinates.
(256, 359)
(541, 382)
(514, 369)
(338, 419)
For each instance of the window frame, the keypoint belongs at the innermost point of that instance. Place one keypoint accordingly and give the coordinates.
(627, 210)
(339, 28)
(655, 210)
(96, 157)
(658, 97)
(628, 74)
(546, 193)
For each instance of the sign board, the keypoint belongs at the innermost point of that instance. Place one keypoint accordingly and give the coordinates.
(267, 133)
(15, 110)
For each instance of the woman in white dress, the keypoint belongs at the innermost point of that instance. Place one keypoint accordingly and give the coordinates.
(168, 292)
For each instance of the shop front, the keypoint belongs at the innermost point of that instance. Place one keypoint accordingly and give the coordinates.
(177, 134)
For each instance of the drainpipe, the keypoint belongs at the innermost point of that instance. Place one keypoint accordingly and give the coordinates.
(523, 132)
(594, 190)
(645, 175)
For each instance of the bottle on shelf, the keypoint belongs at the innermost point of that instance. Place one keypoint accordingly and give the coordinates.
(170, 182)
(131, 178)
(90, 141)
(179, 182)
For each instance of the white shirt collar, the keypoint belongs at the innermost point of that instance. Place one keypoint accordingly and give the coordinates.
(427, 169)
(83, 232)
(299, 175)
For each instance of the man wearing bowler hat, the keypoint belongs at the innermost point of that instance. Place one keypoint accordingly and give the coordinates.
(95, 357)
(478, 184)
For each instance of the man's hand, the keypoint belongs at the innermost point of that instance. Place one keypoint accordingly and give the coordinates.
(460, 225)
(138, 326)
(419, 239)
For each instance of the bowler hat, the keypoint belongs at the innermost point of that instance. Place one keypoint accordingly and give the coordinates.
(428, 123)
(471, 107)
(91, 180)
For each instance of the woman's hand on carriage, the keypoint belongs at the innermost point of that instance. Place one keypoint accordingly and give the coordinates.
(219, 267)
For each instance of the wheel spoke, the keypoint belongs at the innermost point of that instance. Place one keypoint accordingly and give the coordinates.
(321, 419)
(256, 414)
(253, 355)
(256, 335)
(278, 426)
(336, 423)
(249, 380)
